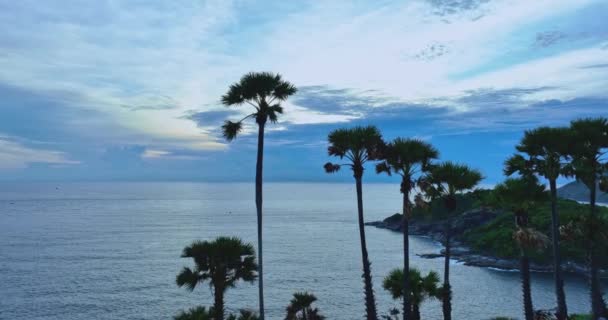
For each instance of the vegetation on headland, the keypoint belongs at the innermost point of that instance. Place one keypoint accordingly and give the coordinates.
(495, 237)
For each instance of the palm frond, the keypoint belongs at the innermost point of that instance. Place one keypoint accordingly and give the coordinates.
(224, 261)
(197, 313)
(231, 129)
(520, 193)
(331, 168)
(360, 143)
(456, 177)
(383, 167)
(187, 278)
(531, 239)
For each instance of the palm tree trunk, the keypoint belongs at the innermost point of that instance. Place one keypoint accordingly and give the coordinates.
(218, 306)
(562, 311)
(416, 312)
(525, 285)
(258, 206)
(447, 290)
(370, 301)
(406, 255)
(598, 307)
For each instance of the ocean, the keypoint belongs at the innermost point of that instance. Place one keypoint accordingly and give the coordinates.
(112, 251)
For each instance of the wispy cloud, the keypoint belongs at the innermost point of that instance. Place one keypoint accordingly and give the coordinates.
(14, 155)
(149, 76)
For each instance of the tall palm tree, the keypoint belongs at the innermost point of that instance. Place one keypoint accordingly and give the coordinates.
(223, 262)
(300, 307)
(519, 195)
(445, 181)
(546, 148)
(422, 288)
(264, 92)
(358, 145)
(407, 158)
(590, 165)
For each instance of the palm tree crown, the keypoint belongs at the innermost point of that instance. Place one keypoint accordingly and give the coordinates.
(422, 287)
(358, 145)
(588, 149)
(222, 262)
(448, 178)
(300, 307)
(264, 91)
(546, 147)
(406, 157)
(521, 193)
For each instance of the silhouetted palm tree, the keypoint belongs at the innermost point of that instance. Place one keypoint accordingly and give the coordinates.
(407, 158)
(519, 195)
(590, 165)
(422, 288)
(545, 149)
(264, 92)
(445, 181)
(197, 313)
(300, 307)
(244, 315)
(223, 262)
(358, 145)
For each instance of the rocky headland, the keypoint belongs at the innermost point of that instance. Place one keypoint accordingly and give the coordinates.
(460, 251)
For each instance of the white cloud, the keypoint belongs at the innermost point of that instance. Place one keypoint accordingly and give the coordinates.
(164, 59)
(14, 155)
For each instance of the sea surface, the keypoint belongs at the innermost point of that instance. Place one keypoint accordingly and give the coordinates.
(112, 251)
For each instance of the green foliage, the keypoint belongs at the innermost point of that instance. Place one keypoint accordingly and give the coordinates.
(435, 209)
(449, 178)
(197, 313)
(244, 315)
(496, 237)
(223, 262)
(580, 317)
(358, 145)
(300, 307)
(264, 91)
(202, 313)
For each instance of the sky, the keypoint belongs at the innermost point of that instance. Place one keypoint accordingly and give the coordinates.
(130, 90)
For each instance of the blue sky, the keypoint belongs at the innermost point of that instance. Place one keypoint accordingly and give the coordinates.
(129, 90)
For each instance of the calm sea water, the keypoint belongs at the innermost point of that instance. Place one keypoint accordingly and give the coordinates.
(111, 251)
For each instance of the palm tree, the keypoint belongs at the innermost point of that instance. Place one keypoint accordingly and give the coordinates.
(197, 313)
(545, 148)
(358, 145)
(519, 195)
(445, 181)
(264, 92)
(406, 158)
(589, 165)
(300, 307)
(422, 288)
(244, 315)
(223, 262)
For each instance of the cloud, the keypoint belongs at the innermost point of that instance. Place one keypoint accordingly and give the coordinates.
(450, 7)
(14, 155)
(153, 154)
(142, 81)
(213, 118)
(548, 38)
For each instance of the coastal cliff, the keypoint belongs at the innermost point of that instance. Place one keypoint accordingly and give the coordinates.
(483, 237)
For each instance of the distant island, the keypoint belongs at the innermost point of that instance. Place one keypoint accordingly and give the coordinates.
(483, 232)
(579, 192)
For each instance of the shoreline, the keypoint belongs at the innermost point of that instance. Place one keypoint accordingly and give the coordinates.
(461, 253)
